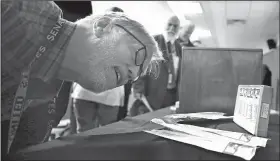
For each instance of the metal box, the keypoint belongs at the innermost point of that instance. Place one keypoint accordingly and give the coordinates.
(210, 77)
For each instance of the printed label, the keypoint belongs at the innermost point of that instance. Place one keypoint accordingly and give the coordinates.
(265, 110)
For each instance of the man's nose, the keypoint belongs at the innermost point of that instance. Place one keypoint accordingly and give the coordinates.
(172, 27)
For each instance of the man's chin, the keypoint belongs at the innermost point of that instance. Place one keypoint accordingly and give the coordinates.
(101, 89)
(98, 84)
(94, 88)
(98, 90)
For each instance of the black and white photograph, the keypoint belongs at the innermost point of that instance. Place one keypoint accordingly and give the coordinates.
(139, 80)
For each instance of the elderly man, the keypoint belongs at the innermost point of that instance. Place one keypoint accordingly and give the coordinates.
(185, 33)
(162, 92)
(92, 109)
(100, 52)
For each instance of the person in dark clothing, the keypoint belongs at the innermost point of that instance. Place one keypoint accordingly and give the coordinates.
(163, 91)
(266, 75)
(123, 110)
(115, 9)
(185, 33)
(271, 44)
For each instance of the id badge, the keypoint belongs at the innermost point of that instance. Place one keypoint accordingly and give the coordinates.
(170, 78)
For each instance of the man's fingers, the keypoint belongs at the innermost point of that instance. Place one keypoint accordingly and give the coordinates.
(137, 95)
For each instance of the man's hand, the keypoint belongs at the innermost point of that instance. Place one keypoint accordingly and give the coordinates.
(137, 94)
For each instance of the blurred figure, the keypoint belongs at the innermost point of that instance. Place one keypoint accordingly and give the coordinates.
(185, 33)
(271, 68)
(173, 58)
(271, 63)
(123, 110)
(266, 75)
(162, 91)
(96, 109)
(271, 44)
(115, 9)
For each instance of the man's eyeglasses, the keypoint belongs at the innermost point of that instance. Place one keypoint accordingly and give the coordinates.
(140, 55)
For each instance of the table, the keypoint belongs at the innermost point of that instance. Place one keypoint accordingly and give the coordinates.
(125, 140)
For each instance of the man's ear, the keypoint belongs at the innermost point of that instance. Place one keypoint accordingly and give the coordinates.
(103, 26)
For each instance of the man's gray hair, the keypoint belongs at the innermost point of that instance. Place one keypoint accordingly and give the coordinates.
(188, 24)
(137, 30)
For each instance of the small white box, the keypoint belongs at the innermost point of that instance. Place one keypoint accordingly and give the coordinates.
(252, 108)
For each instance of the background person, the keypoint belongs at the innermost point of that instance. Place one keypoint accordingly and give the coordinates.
(162, 92)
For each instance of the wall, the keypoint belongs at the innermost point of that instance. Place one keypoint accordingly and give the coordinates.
(152, 14)
(271, 59)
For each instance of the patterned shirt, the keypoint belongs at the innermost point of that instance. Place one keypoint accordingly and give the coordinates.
(25, 25)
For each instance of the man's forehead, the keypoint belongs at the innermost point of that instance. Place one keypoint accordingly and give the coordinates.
(188, 28)
(174, 20)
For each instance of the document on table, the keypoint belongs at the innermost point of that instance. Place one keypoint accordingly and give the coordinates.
(232, 143)
(239, 150)
(194, 117)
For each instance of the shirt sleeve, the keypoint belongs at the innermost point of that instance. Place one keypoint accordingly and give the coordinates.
(31, 28)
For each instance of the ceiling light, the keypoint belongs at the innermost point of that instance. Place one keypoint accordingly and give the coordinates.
(185, 7)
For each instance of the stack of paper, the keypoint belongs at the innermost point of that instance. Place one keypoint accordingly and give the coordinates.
(232, 143)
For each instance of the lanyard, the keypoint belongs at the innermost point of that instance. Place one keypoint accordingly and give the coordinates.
(20, 96)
